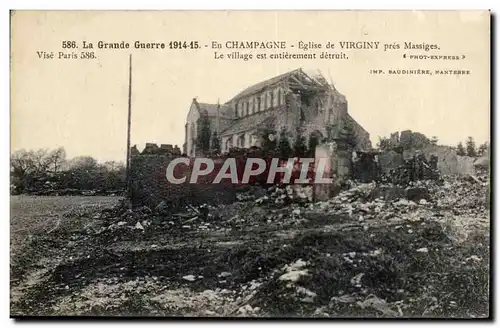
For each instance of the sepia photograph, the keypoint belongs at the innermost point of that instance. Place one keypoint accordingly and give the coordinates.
(250, 164)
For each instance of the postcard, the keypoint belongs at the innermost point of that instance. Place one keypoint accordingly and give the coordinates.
(250, 164)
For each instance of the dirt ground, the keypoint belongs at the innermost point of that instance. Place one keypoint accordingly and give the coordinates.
(33, 215)
(351, 256)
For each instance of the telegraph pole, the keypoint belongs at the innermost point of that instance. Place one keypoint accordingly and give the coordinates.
(128, 179)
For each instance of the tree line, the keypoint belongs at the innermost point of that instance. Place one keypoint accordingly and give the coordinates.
(470, 148)
(46, 171)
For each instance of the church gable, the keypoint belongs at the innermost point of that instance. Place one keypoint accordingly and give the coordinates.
(193, 113)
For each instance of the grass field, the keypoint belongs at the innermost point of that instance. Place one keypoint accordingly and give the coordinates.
(32, 215)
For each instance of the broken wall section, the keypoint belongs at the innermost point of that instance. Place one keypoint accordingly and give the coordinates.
(149, 184)
(407, 144)
(338, 168)
(154, 149)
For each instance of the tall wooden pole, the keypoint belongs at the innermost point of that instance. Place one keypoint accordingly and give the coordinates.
(218, 117)
(129, 125)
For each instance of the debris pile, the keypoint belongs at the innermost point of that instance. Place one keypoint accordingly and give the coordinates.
(464, 196)
(415, 169)
(422, 198)
(421, 195)
(276, 252)
(286, 194)
(280, 254)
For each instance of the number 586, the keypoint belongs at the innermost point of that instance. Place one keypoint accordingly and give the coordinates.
(69, 44)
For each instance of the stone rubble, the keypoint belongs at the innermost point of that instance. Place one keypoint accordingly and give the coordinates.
(463, 201)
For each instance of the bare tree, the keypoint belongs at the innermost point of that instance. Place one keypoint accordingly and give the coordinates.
(27, 166)
(112, 165)
(21, 163)
(83, 163)
(41, 160)
(57, 158)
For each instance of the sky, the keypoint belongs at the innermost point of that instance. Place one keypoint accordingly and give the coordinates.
(81, 104)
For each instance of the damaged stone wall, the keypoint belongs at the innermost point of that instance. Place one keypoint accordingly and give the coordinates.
(289, 117)
(449, 163)
(390, 160)
(296, 102)
(362, 136)
(153, 149)
(321, 112)
(339, 163)
(326, 108)
(365, 166)
(406, 144)
(149, 185)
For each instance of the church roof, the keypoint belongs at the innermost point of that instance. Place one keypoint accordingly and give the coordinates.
(250, 122)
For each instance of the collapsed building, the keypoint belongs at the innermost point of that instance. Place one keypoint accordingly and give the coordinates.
(291, 102)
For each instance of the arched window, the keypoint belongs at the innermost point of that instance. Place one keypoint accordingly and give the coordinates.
(251, 104)
(241, 141)
(282, 96)
(229, 144)
(276, 98)
(240, 109)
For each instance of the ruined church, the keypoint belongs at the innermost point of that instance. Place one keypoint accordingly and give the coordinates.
(293, 102)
